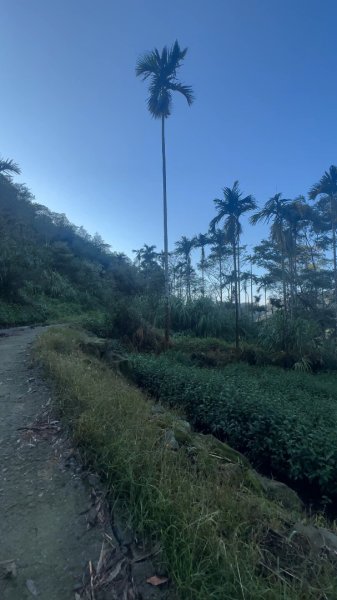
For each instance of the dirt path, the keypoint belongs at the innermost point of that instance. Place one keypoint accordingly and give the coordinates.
(54, 521)
(43, 527)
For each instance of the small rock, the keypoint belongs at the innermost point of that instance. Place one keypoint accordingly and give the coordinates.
(182, 432)
(280, 492)
(170, 440)
(185, 425)
(233, 473)
(318, 538)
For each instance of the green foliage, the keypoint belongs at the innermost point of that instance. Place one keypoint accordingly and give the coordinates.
(49, 268)
(211, 522)
(203, 317)
(297, 343)
(284, 422)
(17, 314)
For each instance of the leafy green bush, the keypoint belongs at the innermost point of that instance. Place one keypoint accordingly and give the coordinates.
(285, 425)
(294, 343)
(12, 314)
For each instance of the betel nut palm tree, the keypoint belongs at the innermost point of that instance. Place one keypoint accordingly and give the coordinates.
(161, 71)
(230, 208)
(275, 210)
(326, 187)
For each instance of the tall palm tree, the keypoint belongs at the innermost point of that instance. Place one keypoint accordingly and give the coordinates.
(201, 241)
(326, 187)
(230, 208)
(275, 210)
(161, 69)
(184, 247)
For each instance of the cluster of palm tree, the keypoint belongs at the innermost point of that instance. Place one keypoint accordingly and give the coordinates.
(294, 260)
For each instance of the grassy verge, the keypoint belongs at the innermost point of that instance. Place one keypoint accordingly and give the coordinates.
(212, 521)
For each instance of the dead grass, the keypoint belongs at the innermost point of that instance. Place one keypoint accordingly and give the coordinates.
(213, 530)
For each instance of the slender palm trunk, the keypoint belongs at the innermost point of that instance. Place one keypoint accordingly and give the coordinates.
(291, 284)
(239, 277)
(236, 296)
(334, 248)
(220, 276)
(284, 298)
(166, 273)
(188, 279)
(284, 282)
(203, 270)
(295, 269)
(251, 291)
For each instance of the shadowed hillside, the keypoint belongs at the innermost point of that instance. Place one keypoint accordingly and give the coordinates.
(49, 268)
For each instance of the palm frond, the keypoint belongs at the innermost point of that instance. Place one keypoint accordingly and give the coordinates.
(326, 185)
(185, 90)
(8, 166)
(215, 221)
(174, 58)
(148, 65)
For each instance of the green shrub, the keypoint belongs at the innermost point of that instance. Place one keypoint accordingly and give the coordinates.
(12, 315)
(292, 342)
(286, 426)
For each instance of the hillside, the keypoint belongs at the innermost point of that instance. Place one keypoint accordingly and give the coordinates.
(50, 268)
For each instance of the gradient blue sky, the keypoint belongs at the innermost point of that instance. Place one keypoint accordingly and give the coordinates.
(73, 114)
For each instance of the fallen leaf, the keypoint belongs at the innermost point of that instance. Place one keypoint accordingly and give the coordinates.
(31, 587)
(155, 580)
(116, 571)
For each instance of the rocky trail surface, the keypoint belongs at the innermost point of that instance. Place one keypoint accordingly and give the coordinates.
(58, 540)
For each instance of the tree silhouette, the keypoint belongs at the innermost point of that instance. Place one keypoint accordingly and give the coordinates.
(161, 69)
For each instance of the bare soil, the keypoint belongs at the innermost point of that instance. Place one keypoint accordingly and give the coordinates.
(57, 540)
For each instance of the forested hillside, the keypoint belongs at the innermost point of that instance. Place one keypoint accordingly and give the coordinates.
(49, 268)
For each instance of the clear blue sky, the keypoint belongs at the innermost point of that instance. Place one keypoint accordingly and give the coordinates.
(73, 114)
